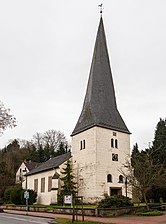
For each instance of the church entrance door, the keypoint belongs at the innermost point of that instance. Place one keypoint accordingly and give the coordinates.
(115, 191)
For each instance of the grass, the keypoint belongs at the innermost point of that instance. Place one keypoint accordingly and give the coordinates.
(8, 204)
(149, 213)
(50, 207)
(139, 204)
(69, 221)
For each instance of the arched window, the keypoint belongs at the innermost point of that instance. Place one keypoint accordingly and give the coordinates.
(109, 178)
(116, 143)
(112, 142)
(120, 179)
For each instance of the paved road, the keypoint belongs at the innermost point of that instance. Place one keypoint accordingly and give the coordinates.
(116, 220)
(21, 219)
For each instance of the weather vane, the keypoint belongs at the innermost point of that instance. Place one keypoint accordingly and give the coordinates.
(101, 8)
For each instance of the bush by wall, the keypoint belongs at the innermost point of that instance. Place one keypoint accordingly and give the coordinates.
(1, 201)
(7, 195)
(32, 197)
(115, 201)
(16, 196)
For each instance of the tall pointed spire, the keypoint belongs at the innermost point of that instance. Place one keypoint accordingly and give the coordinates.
(99, 108)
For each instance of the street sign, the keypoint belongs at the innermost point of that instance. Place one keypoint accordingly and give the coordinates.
(68, 199)
(26, 195)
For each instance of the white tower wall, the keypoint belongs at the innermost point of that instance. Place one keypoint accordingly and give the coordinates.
(93, 163)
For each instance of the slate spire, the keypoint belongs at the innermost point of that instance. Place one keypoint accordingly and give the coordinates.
(99, 108)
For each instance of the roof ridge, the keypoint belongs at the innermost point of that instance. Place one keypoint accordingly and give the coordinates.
(51, 163)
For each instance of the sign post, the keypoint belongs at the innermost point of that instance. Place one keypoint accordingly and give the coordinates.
(79, 198)
(26, 196)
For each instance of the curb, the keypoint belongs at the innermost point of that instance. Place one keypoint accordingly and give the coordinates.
(34, 215)
(52, 222)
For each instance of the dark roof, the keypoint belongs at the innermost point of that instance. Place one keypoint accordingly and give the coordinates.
(99, 108)
(51, 164)
(31, 165)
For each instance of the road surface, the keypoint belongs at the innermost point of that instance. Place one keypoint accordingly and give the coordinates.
(21, 219)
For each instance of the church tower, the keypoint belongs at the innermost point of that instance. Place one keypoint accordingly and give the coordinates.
(100, 140)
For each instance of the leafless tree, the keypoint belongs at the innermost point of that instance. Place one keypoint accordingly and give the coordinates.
(7, 120)
(144, 174)
(51, 138)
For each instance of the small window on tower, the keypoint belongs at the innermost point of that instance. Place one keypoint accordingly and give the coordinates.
(109, 178)
(120, 179)
(83, 144)
(116, 143)
(114, 133)
(114, 157)
(80, 145)
(112, 142)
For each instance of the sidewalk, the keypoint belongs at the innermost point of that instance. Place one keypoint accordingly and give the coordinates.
(117, 220)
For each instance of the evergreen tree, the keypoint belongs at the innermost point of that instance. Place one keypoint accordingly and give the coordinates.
(33, 153)
(41, 154)
(69, 186)
(158, 156)
(10, 158)
(149, 166)
(145, 174)
(62, 149)
(158, 149)
(135, 153)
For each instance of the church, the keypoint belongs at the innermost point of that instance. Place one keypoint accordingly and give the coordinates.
(100, 139)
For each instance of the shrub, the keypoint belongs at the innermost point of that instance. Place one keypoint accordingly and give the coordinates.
(16, 196)
(1, 201)
(12, 195)
(115, 201)
(32, 197)
(7, 197)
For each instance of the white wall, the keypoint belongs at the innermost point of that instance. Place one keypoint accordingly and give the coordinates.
(84, 163)
(93, 163)
(21, 173)
(42, 197)
(104, 162)
(46, 197)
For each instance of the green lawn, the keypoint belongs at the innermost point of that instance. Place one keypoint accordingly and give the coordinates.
(50, 207)
(68, 221)
(149, 213)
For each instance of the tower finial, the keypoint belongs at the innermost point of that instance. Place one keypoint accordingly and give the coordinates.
(101, 8)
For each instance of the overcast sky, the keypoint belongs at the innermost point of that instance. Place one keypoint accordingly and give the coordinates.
(46, 48)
